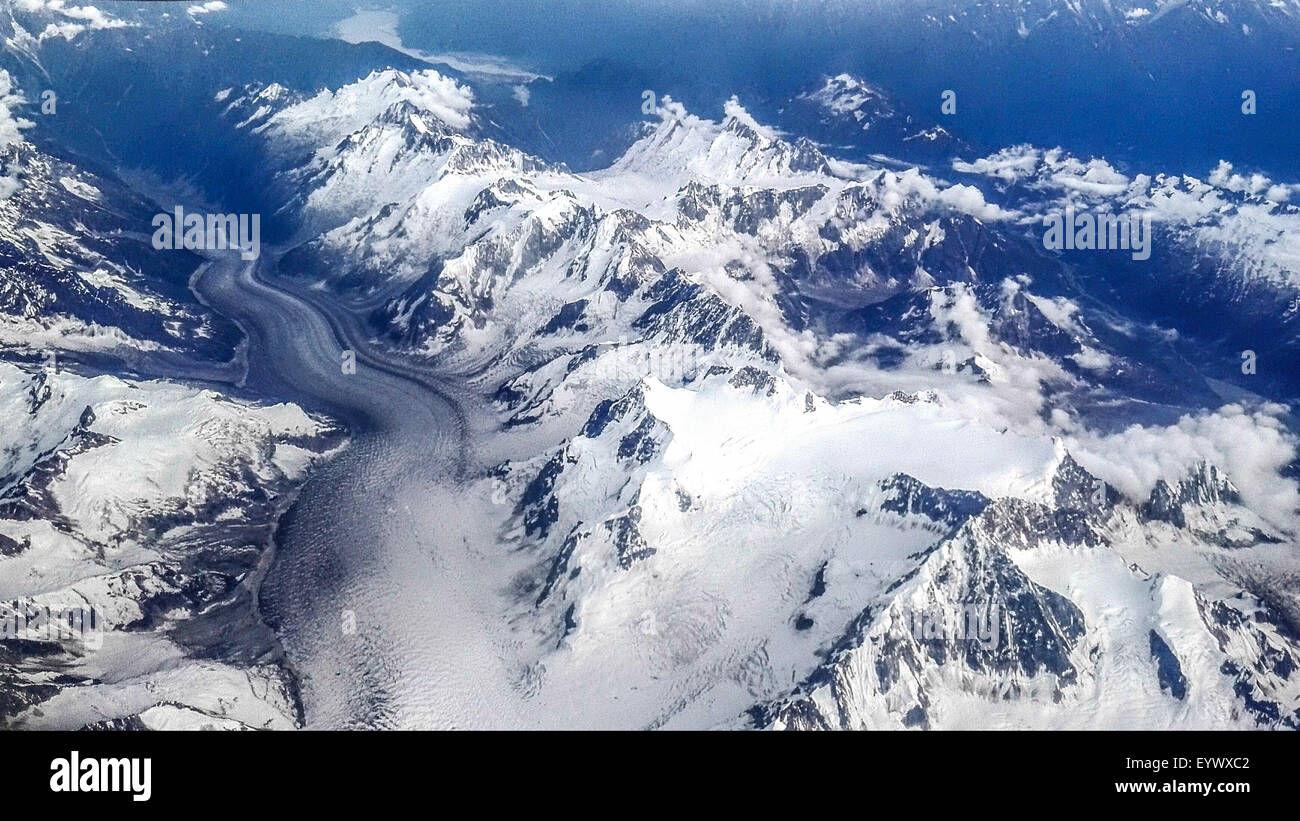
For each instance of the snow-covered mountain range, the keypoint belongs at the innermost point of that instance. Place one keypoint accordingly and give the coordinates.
(146, 506)
(149, 505)
(770, 424)
(736, 341)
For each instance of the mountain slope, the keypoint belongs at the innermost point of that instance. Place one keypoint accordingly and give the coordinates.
(682, 350)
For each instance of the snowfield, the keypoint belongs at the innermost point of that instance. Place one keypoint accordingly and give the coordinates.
(151, 504)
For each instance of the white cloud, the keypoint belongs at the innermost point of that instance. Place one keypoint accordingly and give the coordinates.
(1241, 219)
(208, 7)
(1251, 447)
(735, 111)
(1223, 177)
(10, 123)
(964, 198)
(69, 20)
(1093, 359)
(970, 200)
(11, 126)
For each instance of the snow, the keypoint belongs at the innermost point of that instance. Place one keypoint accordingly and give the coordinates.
(864, 437)
(154, 450)
(332, 115)
(674, 587)
(1241, 219)
(1252, 446)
